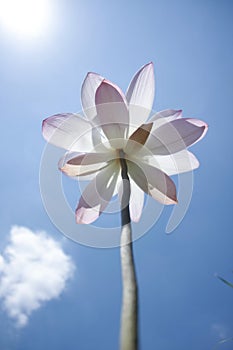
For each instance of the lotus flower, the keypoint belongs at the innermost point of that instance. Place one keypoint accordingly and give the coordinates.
(117, 125)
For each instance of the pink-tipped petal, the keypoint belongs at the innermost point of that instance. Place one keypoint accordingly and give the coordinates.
(85, 164)
(89, 87)
(112, 110)
(200, 124)
(97, 195)
(175, 136)
(140, 94)
(153, 182)
(165, 116)
(68, 131)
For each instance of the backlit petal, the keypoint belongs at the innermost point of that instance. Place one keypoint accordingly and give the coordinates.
(175, 136)
(180, 162)
(68, 131)
(153, 182)
(138, 139)
(141, 134)
(165, 116)
(140, 94)
(98, 138)
(112, 110)
(85, 164)
(89, 87)
(136, 201)
(97, 195)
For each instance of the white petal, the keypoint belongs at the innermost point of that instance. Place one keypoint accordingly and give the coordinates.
(165, 116)
(175, 136)
(153, 182)
(68, 131)
(118, 189)
(98, 138)
(136, 201)
(84, 164)
(89, 87)
(140, 95)
(112, 110)
(180, 162)
(97, 195)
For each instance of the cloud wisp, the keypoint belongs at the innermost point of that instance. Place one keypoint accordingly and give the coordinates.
(33, 269)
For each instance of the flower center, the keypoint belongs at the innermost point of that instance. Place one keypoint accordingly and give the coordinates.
(121, 154)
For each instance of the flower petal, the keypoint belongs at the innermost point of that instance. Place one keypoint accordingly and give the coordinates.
(153, 182)
(85, 164)
(180, 162)
(141, 134)
(98, 138)
(175, 136)
(89, 87)
(137, 139)
(112, 110)
(165, 116)
(97, 195)
(136, 201)
(68, 131)
(140, 94)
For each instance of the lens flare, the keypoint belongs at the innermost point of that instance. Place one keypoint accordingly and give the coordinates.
(26, 18)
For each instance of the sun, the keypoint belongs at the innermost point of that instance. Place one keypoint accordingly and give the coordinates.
(26, 18)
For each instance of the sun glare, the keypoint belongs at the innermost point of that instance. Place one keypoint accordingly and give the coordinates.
(26, 18)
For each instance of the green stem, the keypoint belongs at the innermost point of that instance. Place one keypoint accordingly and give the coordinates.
(129, 311)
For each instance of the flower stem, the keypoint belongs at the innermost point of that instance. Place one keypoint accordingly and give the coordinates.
(129, 311)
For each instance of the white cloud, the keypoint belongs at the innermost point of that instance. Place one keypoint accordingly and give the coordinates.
(33, 269)
(220, 330)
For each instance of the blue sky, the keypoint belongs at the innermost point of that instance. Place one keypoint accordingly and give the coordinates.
(182, 304)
